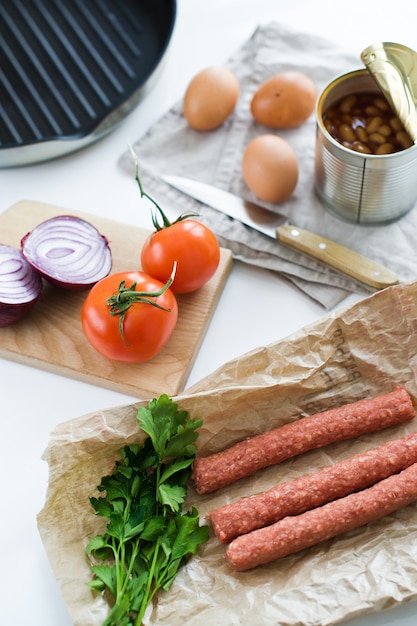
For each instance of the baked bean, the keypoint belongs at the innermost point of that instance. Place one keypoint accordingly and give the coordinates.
(385, 130)
(381, 104)
(385, 148)
(346, 119)
(347, 103)
(358, 146)
(403, 139)
(372, 111)
(374, 124)
(365, 123)
(395, 124)
(377, 138)
(329, 125)
(347, 133)
(362, 134)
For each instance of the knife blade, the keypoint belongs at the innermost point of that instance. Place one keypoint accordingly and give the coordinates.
(276, 226)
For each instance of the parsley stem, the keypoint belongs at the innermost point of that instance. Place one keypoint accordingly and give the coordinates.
(148, 594)
(148, 591)
(116, 550)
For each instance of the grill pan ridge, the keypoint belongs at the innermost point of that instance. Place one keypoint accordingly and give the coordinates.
(71, 70)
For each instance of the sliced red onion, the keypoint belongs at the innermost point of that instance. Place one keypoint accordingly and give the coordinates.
(68, 251)
(20, 285)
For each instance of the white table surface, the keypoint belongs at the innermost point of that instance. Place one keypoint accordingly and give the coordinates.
(33, 401)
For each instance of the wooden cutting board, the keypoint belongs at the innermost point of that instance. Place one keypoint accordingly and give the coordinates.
(50, 337)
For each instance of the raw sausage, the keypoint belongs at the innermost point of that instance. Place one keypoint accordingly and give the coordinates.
(345, 422)
(299, 532)
(313, 490)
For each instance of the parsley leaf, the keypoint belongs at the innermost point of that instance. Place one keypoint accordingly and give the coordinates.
(148, 537)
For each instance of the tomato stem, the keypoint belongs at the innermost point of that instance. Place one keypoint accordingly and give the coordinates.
(158, 212)
(126, 297)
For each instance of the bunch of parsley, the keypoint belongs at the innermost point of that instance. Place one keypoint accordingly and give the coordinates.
(148, 536)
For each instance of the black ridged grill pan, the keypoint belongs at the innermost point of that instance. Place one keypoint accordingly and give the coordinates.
(71, 70)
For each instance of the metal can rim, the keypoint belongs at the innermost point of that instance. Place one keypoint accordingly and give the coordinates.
(328, 88)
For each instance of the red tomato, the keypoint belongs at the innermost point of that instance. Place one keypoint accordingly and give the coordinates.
(192, 245)
(146, 328)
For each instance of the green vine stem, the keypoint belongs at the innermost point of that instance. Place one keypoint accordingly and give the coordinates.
(126, 297)
(158, 214)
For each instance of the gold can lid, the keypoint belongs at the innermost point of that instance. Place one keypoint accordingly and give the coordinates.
(394, 67)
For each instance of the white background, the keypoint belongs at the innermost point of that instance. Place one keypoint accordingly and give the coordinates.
(32, 401)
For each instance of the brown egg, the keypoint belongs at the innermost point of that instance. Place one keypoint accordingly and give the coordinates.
(210, 98)
(286, 100)
(270, 168)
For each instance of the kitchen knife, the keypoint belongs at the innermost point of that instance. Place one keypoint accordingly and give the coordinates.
(273, 225)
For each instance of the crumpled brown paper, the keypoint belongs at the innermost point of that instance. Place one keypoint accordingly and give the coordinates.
(365, 350)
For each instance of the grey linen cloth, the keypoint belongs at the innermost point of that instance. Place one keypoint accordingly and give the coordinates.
(170, 146)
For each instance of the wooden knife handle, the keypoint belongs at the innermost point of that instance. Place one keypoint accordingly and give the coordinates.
(337, 256)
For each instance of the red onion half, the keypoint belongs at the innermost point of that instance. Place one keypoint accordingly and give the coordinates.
(20, 285)
(68, 251)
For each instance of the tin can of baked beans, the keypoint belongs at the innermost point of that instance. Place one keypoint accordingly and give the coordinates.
(362, 183)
